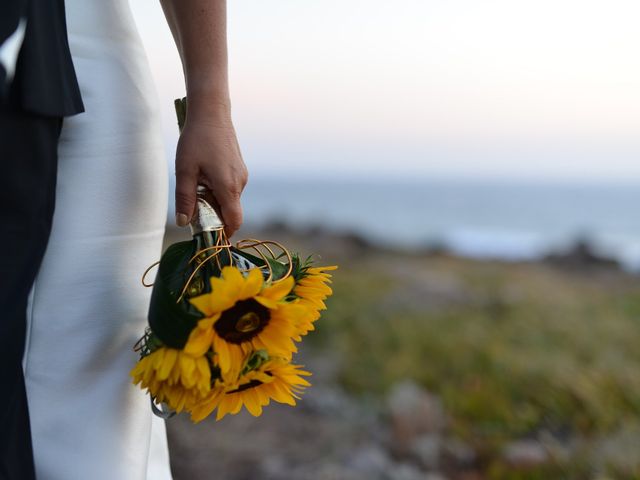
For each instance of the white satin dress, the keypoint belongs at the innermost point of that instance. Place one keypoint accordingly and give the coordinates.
(88, 307)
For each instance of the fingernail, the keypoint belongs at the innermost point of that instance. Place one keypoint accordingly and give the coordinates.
(181, 219)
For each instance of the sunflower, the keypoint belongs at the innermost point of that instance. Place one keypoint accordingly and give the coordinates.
(312, 290)
(243, 314)
(312, 286)
(174, 377)
(275, 379)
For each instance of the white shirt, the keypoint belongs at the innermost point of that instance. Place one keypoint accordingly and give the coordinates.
(10, 48)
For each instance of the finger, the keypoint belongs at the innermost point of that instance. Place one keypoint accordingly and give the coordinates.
(186, 185)
(231, 210)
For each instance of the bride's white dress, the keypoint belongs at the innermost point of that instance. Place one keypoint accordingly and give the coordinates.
(87, 306)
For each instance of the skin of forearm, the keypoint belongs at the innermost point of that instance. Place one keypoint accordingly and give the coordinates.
(199, 28)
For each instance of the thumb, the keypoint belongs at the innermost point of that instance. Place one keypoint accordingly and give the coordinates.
(186, 185)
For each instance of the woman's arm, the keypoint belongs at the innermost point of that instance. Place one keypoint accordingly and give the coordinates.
(208, 151)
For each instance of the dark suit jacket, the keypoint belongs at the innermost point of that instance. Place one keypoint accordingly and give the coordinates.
(45, 81)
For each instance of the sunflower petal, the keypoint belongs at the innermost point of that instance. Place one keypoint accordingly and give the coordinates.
(278, 290)
(204, 408)
(266, 302)
(252, 402)
(169, 360)
(203, 304)
(252, 284)
(224, 357)
(208, 322)
(319, 270)
(224, 406)
(233, 278)
(237, 404)
(199, 342)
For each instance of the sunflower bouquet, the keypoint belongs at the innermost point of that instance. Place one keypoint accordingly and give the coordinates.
(225, 321)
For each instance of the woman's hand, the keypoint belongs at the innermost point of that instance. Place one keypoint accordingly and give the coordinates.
(208, 154)
(208, 151)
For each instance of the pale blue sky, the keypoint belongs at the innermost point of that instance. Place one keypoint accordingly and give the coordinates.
(545, 89)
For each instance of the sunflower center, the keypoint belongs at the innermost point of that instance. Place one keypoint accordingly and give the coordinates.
(243, 321)
(250, 384)
(246, 386)
(248, 322)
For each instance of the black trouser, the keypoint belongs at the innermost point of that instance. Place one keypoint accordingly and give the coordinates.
(28, 166)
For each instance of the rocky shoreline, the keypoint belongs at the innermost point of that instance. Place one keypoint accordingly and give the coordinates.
(407, 422)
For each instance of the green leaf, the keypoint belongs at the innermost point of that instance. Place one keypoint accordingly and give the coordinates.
(180, 105)
(172, 322)
(256, 359)
(279, 269)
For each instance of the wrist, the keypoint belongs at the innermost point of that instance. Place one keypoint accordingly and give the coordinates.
(206, 104)
(208, 112)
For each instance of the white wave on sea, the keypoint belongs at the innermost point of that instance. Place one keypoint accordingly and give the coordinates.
(500, 220)
(507, 245)
(523, 246)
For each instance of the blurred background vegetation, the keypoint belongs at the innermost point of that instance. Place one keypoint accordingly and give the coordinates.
(429, 365)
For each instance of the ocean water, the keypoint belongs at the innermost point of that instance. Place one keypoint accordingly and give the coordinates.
(507, 220)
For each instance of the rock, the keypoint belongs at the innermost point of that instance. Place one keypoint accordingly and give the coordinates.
(426, 449)
(273, 466)
(619, 450)
(405, 471)
(327, 472)
(330, 400)
(370, 459)
(458, 453)
(426, 290)
(525, 454)
(433, 476)
(469, 475)
(581, 255)
(371, 462)
(413, 413)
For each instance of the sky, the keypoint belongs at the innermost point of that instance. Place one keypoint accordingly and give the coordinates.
(425, 88)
